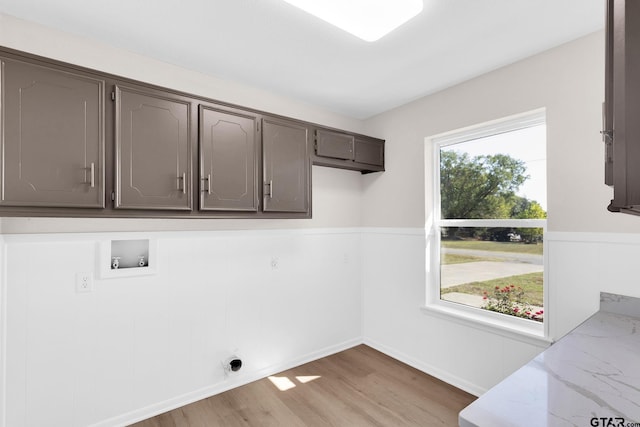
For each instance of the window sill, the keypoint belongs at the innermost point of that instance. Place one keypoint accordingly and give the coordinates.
(523, 330)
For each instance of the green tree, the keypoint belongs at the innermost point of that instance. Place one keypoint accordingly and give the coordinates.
(524, 208)
(479, 187)
(528, 209)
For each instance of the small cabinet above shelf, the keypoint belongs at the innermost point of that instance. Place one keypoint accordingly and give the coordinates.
(348, 151)
(335, 145)
(370, 152)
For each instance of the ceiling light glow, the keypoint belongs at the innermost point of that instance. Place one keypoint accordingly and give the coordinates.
(366, 19)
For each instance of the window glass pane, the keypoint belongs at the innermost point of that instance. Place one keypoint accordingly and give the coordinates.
(495, 173)
(498, 176)
(498, 269)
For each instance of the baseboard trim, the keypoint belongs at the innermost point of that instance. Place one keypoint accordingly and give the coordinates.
(231, 383)
(428, 369)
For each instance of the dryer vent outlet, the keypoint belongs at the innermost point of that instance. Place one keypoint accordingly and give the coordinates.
(232, 364)
(235, 365)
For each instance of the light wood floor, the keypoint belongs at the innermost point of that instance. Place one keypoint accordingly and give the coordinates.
(357, 387)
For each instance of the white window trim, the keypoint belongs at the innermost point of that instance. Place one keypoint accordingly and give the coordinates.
(510, 326)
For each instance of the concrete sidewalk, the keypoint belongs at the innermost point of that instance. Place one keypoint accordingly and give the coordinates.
(458, 274)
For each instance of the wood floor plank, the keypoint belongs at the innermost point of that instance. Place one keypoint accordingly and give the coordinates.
(356, 387)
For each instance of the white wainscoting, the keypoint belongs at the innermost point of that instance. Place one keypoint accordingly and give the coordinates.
(581, 265)
(137, 346)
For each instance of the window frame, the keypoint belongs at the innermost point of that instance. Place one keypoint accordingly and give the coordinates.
(511, 326)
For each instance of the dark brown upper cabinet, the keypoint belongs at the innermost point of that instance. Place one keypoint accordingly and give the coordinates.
(348, 151)
(286, 166)
(229, 142)
(52, 150)
(153, 142)
(621, 109)
(369, 151)
(334, 144)
(153, 152)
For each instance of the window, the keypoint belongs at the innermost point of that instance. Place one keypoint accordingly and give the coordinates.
(489, 220)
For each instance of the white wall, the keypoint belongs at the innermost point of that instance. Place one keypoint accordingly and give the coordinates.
(586, 253)
(138, 345)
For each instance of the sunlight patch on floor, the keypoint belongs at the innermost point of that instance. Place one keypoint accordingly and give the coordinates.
(284, 383)
(307, 378)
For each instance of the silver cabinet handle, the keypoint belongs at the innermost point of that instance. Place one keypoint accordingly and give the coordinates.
(183, 178)
(607, 134)
(92, 177)
(270, 189)
(208, 179)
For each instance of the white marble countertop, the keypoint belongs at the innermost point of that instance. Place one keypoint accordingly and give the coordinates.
(592, 372)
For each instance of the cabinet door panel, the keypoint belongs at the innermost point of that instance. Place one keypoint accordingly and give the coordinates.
(285, 166)
(153, 146)
(334, 144)
(53, 146)
(228, 159)
(369, 152)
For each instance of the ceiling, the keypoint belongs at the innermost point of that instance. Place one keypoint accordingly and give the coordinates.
(271, 45)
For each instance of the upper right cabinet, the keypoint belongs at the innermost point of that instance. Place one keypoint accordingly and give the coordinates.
(621, 109)
(343, 150)
(369, 151)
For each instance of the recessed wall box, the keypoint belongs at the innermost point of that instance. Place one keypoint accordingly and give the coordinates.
(127, 257)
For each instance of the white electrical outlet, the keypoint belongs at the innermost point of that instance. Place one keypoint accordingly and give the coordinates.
(275, 261)
(84, 282)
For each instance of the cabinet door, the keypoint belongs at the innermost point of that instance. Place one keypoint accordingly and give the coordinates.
(607, 106)
(52, 150)
(624, 68)
(369, 152)
(228, 160)
(285, 166)
(334, 144)
(153, 150)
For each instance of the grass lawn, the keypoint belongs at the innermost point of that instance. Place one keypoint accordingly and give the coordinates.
(530, 283)
(460, 259)
(482, 245)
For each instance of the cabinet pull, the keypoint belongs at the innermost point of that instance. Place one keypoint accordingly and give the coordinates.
(92, 177)
(183, 178)
(271, 189)
(607, 134)
(208, 179)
